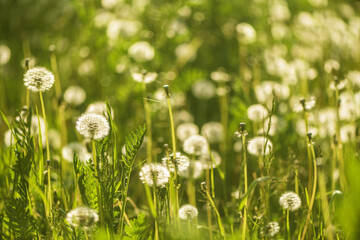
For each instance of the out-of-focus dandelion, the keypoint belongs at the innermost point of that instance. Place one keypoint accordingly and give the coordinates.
(194, 170)
(209, 161)
(220, 76)
(70, 149)
(256, 146)
(246, 33)
(203, 89)
(74, 95)
(144, 76)
(82, 217)
(195, 145)
(257, 112)
(142, 51)
(99, 108)
(212, 131)
(154, 174)
(5, 54)
(39, 79)
(338, 85)
(180, 162)
(187, 212)
(93, 126)
(347, 133)
(290, 201)
(270, 230)
(186, 130)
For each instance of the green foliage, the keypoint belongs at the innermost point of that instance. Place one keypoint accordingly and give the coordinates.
(140, 228)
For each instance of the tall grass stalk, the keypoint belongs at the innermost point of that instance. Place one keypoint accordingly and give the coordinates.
(243, 133)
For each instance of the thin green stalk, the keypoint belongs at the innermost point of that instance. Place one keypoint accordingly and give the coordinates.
(218, 217)
(98, 189)
(208, 208)
(244, 226)
(156, 216)
(148, 123)
(313, 187)
(173, 183)
(325, 204)
(48, 160)
(288, 225)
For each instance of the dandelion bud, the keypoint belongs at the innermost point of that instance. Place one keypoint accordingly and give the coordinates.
(154, 174)
(187, 212)
(290, 201)
(82, 217)
(93, 126)
(39, 79)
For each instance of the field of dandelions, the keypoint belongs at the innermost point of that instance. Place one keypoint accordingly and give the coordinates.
(183, 119)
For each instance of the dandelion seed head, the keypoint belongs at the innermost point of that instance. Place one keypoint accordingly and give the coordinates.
(194, 171)
(82, 217)
(154, 174)
(186, 130)
(187, 212)
(39, 79)
(270, 230)
(338, 85)
(212, 131)
(8, 138)
(181, 162)
(347, 133)
(290, 201)
(34, 129)
(141, 51)
(257, 112)
(74, 95)
(354, 77)
(210, 161)
(70, 149)
(195, 145)
(256, 146)
(93, 126)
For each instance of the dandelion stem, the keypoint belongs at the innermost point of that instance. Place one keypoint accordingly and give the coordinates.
(288, 224)
(98, 190)
(49, 196)
(243, 136)
(313, 187)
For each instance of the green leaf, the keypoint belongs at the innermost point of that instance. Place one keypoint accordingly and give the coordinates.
(140, 228)
(251, 187)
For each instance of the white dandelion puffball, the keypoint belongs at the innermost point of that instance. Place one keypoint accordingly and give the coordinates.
(145, 77)
(70, 149)
(93, 126)
(290, 201)
(39, 79)
(194, 171)
(74, 95)
(210, 161)
(186, 130)
(220, 76)
(154, 174)
(203, 89)
(257, 112)
(196, 145)
(82, 217)
(256, 146)
(8, 138)
(187, 212)
(5, 54)
(142, 51)
(246, 33)
(270, 230)
(181, 162)
(212, 131)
